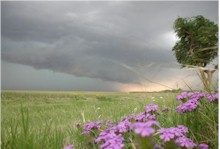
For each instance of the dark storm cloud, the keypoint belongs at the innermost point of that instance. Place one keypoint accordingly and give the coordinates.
(92, 39)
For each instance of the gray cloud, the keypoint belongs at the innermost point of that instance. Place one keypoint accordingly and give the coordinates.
(91, 39)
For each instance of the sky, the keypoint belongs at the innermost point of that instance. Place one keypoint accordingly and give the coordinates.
(95, 45)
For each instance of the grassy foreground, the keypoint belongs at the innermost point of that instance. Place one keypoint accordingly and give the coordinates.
(46, 119)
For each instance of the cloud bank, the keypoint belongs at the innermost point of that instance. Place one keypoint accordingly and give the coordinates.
(97, 39)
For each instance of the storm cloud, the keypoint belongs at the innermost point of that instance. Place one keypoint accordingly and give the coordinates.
(96, 39)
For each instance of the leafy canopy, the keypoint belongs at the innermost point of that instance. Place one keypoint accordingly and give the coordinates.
(197, 44)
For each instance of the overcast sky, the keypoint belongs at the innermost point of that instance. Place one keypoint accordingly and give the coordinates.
(95, 46)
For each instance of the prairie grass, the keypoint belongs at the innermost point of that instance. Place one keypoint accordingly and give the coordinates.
(45, 120)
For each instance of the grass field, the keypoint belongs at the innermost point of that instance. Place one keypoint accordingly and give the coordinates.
(45, 120)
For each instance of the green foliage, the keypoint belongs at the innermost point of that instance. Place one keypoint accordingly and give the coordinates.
(198, 38)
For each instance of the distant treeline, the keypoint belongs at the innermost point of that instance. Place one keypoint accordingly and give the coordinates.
(163, 91)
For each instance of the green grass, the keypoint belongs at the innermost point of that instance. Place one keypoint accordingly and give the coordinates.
(44, 120)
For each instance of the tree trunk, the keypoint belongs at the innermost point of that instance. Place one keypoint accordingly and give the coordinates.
(209, 77)
(206, 77)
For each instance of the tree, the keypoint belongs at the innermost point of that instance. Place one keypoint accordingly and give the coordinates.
(197, 45)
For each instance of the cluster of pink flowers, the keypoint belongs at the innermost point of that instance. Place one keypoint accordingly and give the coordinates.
(143, 116)
(198, 96)
(110, 139)
(185, 142)
(145, 129)
(151, 108)
(212, 97)
(190, 95)
(93, 125)
(178, 135)
(145, 124)
(182, 96)
(203, 146)
(170, 133)
(123, 126)
(149, 114)
(190, 105)
(192, 100)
